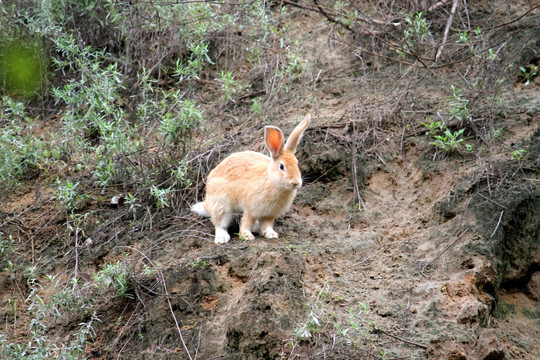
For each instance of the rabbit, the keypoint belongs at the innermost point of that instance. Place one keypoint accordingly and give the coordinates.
(261, 187)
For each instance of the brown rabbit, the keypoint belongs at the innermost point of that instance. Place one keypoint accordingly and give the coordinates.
(259, 186)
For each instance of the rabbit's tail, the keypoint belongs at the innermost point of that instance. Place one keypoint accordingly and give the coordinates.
(200, 209)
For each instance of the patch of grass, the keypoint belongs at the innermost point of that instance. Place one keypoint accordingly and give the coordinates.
(70, 196)
(21, 153)
(39, 344)
(117, 276)
(354, 330)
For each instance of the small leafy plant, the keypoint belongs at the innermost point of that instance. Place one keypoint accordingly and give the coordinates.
(230, 86)
(459, 104)
(416, 31)
(434, 127)
(518, 154)
(443, 138)
(7, 247)
(448, 141)
(528, 73)
(162, 196)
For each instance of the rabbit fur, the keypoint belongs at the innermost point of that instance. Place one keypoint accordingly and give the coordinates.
(258, 186)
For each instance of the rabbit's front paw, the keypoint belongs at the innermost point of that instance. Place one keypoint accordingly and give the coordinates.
(270, 234)
(247, 235)
(222, 236)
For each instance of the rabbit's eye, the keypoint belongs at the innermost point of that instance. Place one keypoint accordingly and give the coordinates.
(281, 167)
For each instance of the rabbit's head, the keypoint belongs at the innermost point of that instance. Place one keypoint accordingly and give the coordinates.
(283, 171)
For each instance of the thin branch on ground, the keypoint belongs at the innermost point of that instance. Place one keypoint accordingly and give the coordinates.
(400, 338)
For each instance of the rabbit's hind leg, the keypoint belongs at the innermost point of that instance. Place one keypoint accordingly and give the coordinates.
(222, 222)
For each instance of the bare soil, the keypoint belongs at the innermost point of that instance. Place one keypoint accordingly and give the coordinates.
(441, 262)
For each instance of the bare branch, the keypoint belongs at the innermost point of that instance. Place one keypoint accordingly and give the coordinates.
(447, 28)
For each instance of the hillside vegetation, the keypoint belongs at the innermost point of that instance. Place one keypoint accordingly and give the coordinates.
(416, 234)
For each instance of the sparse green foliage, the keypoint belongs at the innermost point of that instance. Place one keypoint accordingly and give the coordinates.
(459, 104)
(39, 343)
(358, 332)
(21, 154)
(312, 323)
(444, 138)
(7, 248)
(199, 264)
(180, 175)
(497, 133)
(115, 275)
(295, 65)
(463, 37)
(492, 55)
(191, 68)
(230, 86)
(416, 31)
(69, 195)
(257, 107)
(178, 128)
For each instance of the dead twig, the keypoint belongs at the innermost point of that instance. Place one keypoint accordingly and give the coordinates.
(493, 201)
(361, 202)
(498, 223)
(174, 316)
(378, 330)
(447, 29)
(437, 5)
(331, 19)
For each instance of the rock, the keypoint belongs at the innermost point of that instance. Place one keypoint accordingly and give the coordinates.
(533, 286)
(456, 355)
(472, 311)
(489, 347)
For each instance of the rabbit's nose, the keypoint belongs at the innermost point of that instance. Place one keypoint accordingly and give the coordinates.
(295, 183)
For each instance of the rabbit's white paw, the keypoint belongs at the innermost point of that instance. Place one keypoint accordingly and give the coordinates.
(222, 236)
(270, 234)
(247, 235)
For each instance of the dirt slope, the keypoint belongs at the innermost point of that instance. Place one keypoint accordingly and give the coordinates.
(392, 250)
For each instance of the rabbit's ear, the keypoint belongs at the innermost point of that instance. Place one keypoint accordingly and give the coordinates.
(296, 135)
(274, 140)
